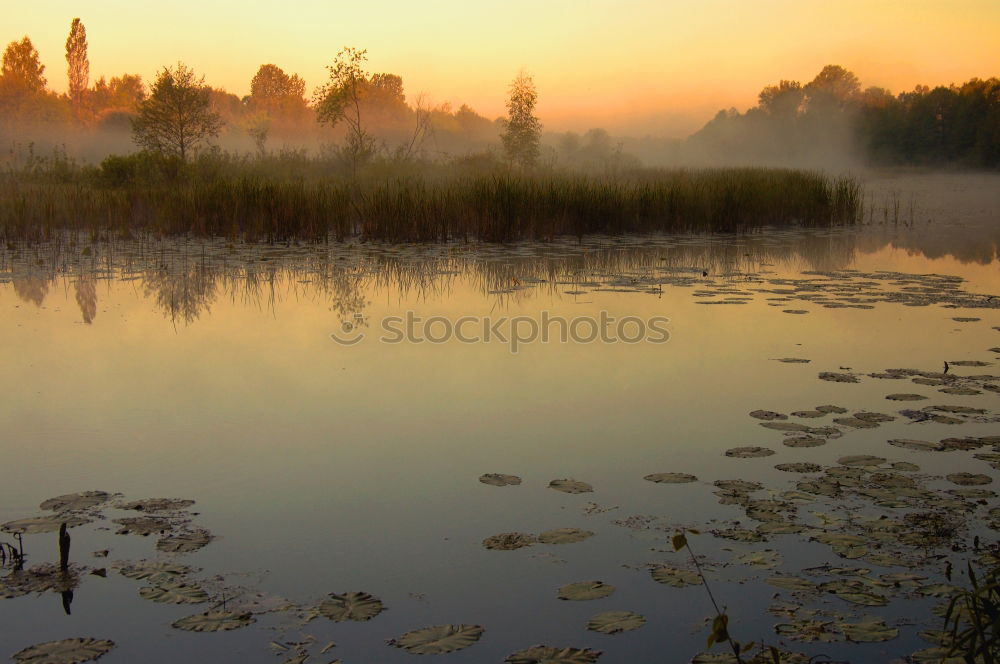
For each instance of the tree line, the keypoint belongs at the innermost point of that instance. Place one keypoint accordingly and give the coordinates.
(956, 125)
(363, 114)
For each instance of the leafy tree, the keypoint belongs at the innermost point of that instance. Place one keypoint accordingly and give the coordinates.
(79, 64)
(522, 130)
(22, 68)
(782, 100)
(121, 92)
(834, 86)
(177, 115)
(340, 100)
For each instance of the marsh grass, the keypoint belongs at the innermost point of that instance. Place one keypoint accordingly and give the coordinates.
(293, 197)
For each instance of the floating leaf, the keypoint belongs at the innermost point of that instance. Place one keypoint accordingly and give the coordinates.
(551, 655)
(969, 479)
(75, 501)
(214, 621)
(785, 426)
(792, 583)
(585, 590)
(438, 639)
(499, 479)
(158, 505)
(674, 576)
(738, 485)
(749, 452)
(357, 606)
(809, 631)
(767, 415)
(792, 360)
(766, 559)
(509, 541)
(67, 651)
(906, 397)
(564, 536)
(861, 460)
(919, 445)
(174, 593)
(570, 486)
(800, 467)
(154, 571)
(184, 542)
(671, 478)
(145, 525)
(804, 441)
(613, 622)
(873, 630)
(831, 409)
(43, 524)
(838, 377)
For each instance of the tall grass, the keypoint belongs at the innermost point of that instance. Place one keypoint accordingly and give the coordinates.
(299, 200)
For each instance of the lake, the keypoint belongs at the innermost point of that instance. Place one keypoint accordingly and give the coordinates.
(342, 417)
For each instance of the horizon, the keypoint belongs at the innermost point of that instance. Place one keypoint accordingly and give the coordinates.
(723, 53)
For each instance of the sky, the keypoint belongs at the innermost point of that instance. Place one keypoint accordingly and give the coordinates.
(632, 66)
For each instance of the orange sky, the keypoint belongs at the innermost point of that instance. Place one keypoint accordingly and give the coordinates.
(632, 66)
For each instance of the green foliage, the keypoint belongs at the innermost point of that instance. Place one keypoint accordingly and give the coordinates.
(972, 620)
(341, 100)
(176, 117)
(21, 67)
(522, 130)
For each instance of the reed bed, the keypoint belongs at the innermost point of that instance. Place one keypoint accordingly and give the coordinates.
(501, 206)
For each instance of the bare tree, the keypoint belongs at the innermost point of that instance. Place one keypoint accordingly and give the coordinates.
(177, 115)
(79, 65)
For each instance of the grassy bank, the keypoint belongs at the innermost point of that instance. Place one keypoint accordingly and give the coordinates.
(271, 202)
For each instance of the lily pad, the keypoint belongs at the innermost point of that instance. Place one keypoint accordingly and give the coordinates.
(767, 415)
(509, 541)
(906, 397)
(75, 501)
(804, 441)
(864, 460)
(564, 536)
(969, 479)
(66, 651)
(43, 524)
(438, 639)
(800, 467)
(154, 571)
(145, 525)
(613, 622)
(158, 505)
(174, 593)
(786, 426)
(357, 606)
(674, 576)
(581, 591)
(741, 486)
(552, 655)
(919, 445)
(838, 377)
(749, 452)
(214, 621)
(837, 410)
(570, 486)
(184, 542)
(766, 559)
(810, 631)
(499, 479)
(671, 478)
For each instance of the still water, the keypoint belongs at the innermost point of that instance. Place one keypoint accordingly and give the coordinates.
(211, 372)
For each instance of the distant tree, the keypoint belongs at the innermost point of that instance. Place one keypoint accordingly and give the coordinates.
(522, 130)
(22, 68)
(271, 88)
(783, 100)
(341, 98)
(177, 115)
(79, 65)
(834, 86)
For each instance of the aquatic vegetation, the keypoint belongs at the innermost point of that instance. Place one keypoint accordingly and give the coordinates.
(214, 621)
(509, 541)
(66, 651)
(170, 592)
(498, 479)
(553, 655)
(43, 524)
(614, 622)
(158, 505)
(570, 486)
(356, 606)
(671, 478)
(564, 536)
(749, 452)
(438, 639)
(75, 501)
(582, 591)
